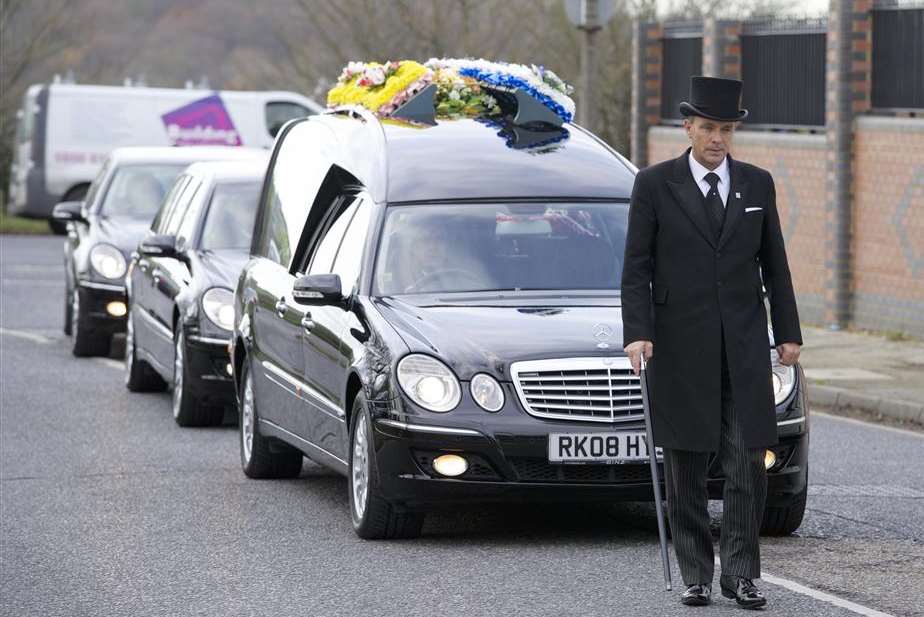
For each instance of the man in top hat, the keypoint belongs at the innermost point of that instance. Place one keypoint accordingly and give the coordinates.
(704, 235)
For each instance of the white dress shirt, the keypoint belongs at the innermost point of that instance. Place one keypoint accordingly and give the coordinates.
(699, 174)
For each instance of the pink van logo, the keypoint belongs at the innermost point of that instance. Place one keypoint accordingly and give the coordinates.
(205, 122)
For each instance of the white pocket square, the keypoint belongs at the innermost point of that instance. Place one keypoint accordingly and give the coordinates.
(752, 209)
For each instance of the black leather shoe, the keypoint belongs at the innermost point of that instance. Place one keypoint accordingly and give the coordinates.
(742, 590)
(697, 595)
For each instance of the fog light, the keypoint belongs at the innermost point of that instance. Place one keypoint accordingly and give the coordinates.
(769, 459)
(116, 308)
(451, 465)
(228, 368)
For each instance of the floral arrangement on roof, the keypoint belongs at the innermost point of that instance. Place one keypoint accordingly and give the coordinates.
(463, 86)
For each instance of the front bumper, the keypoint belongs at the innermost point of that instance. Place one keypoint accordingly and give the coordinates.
(208, 361)
(95, 298)
(508, 457)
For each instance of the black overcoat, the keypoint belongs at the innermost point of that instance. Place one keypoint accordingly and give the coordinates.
(682, 289)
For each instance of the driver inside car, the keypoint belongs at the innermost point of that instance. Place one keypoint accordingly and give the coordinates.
(439, 262)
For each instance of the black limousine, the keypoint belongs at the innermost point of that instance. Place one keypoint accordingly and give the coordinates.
(104, 228)
(434, 312)
(179, 285)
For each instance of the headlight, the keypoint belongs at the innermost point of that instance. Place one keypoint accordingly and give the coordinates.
(107, 261)
(784, 378)
(218, 306)
(429, 382)
(487, 392)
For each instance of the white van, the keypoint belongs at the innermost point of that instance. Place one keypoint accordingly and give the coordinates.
(65, 131)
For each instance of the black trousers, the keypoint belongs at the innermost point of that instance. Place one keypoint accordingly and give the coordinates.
(744, 497)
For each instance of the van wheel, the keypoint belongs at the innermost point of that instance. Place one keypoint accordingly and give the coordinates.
(187, 409)
(139, 376)
(260, 457)
(87, 342)
(373, 517)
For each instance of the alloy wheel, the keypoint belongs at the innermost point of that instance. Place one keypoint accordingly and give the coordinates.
(178, 362)
(75, 312)
(247, 419)
(360, 467)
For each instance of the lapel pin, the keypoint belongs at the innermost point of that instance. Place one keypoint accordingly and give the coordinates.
(737, 195)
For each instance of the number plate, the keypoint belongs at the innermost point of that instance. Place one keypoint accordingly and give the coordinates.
(607, 448)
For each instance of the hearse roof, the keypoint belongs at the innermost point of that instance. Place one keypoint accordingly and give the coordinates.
(475, 159)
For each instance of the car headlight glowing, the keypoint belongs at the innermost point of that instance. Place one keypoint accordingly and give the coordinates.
(487, 392)
(218, 306)
(108, 261)
(784, 378)
(429, 382)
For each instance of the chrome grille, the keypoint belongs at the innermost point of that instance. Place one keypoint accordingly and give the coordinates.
(585, 389)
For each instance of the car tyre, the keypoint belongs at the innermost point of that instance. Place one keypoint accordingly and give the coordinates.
(187, 409)
(262, 458)
(139, 376)
(784, 520)
(374, 518)
(68, 311)
(87, 342)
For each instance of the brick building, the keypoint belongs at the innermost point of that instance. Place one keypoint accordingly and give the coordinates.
(837, 116)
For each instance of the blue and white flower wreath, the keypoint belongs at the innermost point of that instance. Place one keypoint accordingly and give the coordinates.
(542, 84)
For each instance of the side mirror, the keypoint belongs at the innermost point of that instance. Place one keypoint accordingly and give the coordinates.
(158, 245)
(69, 211)
(317, 289)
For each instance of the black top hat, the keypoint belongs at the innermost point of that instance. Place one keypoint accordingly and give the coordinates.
(714, 98)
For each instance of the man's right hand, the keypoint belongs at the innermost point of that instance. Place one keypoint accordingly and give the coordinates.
(634, 351)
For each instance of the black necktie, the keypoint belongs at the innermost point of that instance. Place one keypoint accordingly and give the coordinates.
(714, 206)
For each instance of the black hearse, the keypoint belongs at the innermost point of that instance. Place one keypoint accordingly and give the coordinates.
(179, 288)
(434, 312)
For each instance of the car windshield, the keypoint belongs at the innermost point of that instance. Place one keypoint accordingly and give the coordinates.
(230, 216)
(136, 191)
(488, 247)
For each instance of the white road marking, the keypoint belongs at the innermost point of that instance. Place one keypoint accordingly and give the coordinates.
(804, 590)
(110, 363)
(867, 424)
(29, 336)
(793, 586)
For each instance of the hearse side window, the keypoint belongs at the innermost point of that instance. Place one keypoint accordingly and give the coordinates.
(280, 112)
(169, 202)
(323, 257)
(301, 165)
(348, 262)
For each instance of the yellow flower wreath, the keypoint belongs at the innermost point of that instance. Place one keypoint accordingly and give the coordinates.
(350, 93)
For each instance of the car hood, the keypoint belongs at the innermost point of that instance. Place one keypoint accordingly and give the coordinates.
(475, 337)
(122, 232)
(220, 268)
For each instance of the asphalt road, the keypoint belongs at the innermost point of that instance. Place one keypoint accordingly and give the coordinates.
(108, 508)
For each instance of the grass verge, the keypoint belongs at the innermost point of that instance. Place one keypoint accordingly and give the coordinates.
(19, 225)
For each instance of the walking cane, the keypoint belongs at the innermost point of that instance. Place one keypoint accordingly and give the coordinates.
(655, 480)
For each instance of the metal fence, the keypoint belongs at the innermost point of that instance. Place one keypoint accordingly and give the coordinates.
(681, 57)
(783, 69)
(898, 56)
